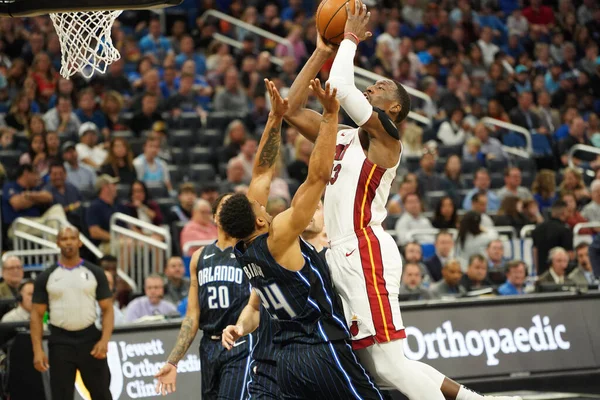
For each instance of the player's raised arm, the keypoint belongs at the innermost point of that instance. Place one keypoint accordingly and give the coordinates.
(268, 148)
(167, 375)
(247, 322)
(384, 103)
(307, 121)
(286, 227)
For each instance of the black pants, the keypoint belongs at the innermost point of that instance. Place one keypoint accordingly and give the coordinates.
(67, 355)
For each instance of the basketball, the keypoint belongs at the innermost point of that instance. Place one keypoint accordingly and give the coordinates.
(331, 19)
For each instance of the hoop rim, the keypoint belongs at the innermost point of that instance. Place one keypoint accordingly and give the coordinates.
(31, 8)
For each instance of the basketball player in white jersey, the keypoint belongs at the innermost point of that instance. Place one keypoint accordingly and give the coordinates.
(365, 262)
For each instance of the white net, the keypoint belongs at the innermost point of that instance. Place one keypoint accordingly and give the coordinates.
(85, 42)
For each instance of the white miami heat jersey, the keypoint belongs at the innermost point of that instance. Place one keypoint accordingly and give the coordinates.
(364, 260)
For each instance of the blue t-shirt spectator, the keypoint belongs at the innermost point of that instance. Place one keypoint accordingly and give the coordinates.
(97, 118)
(9, 213)
(508, 289)
(99, 214)
(197, 58)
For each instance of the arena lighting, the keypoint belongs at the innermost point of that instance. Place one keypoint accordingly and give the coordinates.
(446, 342)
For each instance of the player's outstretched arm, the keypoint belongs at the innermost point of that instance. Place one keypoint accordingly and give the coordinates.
(268, 148)
(286, 227)
(247, 322)
(352, 100)
(167, 375)
(307, 121)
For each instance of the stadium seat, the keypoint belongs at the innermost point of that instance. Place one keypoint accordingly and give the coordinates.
(497, 165)
(434, 197)
(10, 158)
(541, 145)
(177, 174)
(223, 170)
(181, 138)
(210, 138)
(447, 151)
(412, 163)
(469, 166)
(390, 221)
(137, 145)
(497, 180)
(179, 156)
(220, 120)
(200, 173)
(527, 178)
(512, 139)
(122, 134)
(440, 164)
(88, 194)
(200, 155)
(468, 179)
(428, 250)
(123, 191)
(165, 205)
(190, 121)
(525, 164)
(157, 190)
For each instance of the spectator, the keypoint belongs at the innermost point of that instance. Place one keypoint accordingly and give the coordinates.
(19, 113)
(210, 193)
(235, 176)
(574, 217)
(551, 233)
(452, 179)
(429, 180)
(182, 212)
(7, 139)
(62, 119)
(413, 254)
(87, 111)
(247, 154)
(69, 291)
(154, 44)
(147, 116)
(496, 261)
(472, 237)
(23, 310)
(79, 175)
(12, 276)
(512, 185)
(531, 212)
(522, 81)
(117, 82)
(488, 48)
(119, 162)
(573, 182)
(88, 150)
(23, 197)
(516, 272)
(445, 216)
(511, 213)
(235, 136)
(479, 205)
(412, 219)
(177, 286)
(36, 125)
(583, 275)
(150, 168)
(152, 304)
(482, 184)
(118, 314)
(559, 261)
(540, 17)
(491, 148)
(549, 117)
(577, 135)
(476, 276)
(449, 286)
(65, 194)
(231, 97)
(112, 105)
(298, 170)
(101, 210)
(142, 207)
(394, 205)
(200, 227)
(544, 189)
(36, 155)
(411, 287)
(188, 53)
(45, 77)
(444, 244)
(121, 288)
(53, 147)
(516, 23)
(524, 115)
(591, 211)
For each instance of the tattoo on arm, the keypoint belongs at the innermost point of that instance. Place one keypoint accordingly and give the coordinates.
(270, 150)
(187, 333)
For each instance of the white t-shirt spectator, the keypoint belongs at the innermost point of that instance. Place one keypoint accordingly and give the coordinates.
(157, 171)
(591, 212)
(488, 51)
(407, 223)
(451, 134)
(97, 154)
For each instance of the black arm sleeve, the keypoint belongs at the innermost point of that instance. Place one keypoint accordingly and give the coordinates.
(387, 123)
(40, 293)
(102, 290)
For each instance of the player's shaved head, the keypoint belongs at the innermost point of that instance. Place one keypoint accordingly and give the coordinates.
(65, 229)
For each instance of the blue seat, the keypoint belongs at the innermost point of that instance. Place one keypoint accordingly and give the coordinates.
(541, 145)
(428, 250)
(512, 139)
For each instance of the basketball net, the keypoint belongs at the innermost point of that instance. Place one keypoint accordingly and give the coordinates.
(85, 42)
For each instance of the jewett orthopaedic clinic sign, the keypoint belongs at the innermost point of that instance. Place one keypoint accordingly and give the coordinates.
(491, 340)
(135, 357)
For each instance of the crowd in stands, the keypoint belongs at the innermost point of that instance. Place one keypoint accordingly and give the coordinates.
(175, 122)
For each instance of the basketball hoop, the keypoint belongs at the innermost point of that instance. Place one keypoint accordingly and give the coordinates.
(85, 42)
(83, 28)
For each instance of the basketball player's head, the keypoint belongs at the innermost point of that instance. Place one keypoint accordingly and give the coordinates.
(391, 97)
(216, 207)
(242, 218)
(317, 223)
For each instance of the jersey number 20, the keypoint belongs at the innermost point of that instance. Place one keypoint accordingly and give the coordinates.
(340, 150)
(218, 297)
(272, 300)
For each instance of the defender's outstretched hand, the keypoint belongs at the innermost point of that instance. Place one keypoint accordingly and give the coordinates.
(358, 21)
(279, 106)
(330, 103)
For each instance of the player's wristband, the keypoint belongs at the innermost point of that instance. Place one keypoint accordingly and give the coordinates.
(352, 35)
(172, 363)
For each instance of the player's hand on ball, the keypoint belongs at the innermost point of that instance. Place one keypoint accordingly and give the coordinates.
(279, 106)
(326, 47)
(230, 335)
(358, 21)
(330, 103)
(166, 379)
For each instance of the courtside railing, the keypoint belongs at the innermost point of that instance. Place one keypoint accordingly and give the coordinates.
(515, 128)
(368, 77)
(195, 244)
(582, 148)
(141, 248)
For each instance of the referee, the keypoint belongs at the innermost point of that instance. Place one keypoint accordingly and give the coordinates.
(69, 291)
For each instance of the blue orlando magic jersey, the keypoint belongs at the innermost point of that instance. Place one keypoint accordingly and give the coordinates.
(303, 303)
(223, 289)
(265, 349)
